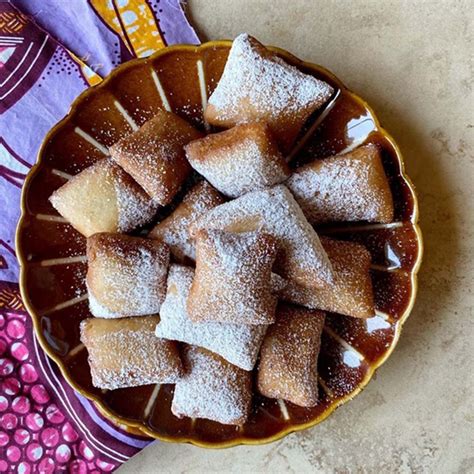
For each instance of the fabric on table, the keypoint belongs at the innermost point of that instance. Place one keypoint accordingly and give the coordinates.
(50, 51)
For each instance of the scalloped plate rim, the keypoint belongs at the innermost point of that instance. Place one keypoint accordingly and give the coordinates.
(140, 426)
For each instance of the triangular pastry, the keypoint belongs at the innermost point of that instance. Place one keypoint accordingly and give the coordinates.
(301, 257)
(348, 187)
(257, 85)
(103, 198)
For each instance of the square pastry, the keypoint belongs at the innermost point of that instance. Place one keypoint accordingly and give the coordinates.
(154, 155)
(126, 353)
(301, 257)
(103, 198)
(212, 388)
(348, 187)
(126, 276)
(237, 343)
(232, 282)
(351, 292)
(237, 161)
(288, 367)
(257, 85)
(174, 229)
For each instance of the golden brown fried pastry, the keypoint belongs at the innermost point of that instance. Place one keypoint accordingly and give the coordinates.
(174, 230)
(301, 258)
(237, 161)
(351, 292)
(257, 85)
(126, 276)
(212, 388)
(237, 343)
(288, 359)
(232, 282)
(154, 155)
(348, 187)
(103, 198)
(126, 353)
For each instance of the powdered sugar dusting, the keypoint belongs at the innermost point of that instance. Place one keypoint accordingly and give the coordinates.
(278, 283)
(351, 292)
(125, 354)
(154, 155)
(174, 230)
(212, 388)
(126, 275)
(288, 359)
(238, 160)
(349, 187)
(238, 344)
(255, 82)
(103, 198)
(97, 309)
(134, 208)
(232, 283)
(302, 257)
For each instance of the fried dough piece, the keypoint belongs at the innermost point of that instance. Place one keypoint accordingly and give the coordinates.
(301, 258)
(174, 230)
(351, 292)
(126, 276)
(288, 358)
(103, 198)
(239, 160)
(348, 187)
(126, 353)
(237, 343)
(154, 155)
(257, 85)
(212, 388)
(232, 282)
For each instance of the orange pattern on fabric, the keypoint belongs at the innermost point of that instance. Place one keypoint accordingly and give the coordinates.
(134, 21)
(12, 22)
(11, 299)
(91, 77)
(89, 74)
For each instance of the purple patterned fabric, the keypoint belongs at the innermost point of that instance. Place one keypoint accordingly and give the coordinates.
(174, 25)
(93, 41)
(38, 81)
(50, 51)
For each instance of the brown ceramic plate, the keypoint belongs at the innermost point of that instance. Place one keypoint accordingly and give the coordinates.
(53, 267)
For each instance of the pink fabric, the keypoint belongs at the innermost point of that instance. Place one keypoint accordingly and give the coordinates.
(36, 433)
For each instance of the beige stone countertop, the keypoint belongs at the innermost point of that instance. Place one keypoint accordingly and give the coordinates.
(412, 60)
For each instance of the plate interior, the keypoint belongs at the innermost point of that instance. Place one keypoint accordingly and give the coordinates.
(52, 253)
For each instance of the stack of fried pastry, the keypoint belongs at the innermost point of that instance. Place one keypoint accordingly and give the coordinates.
(235, 278)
